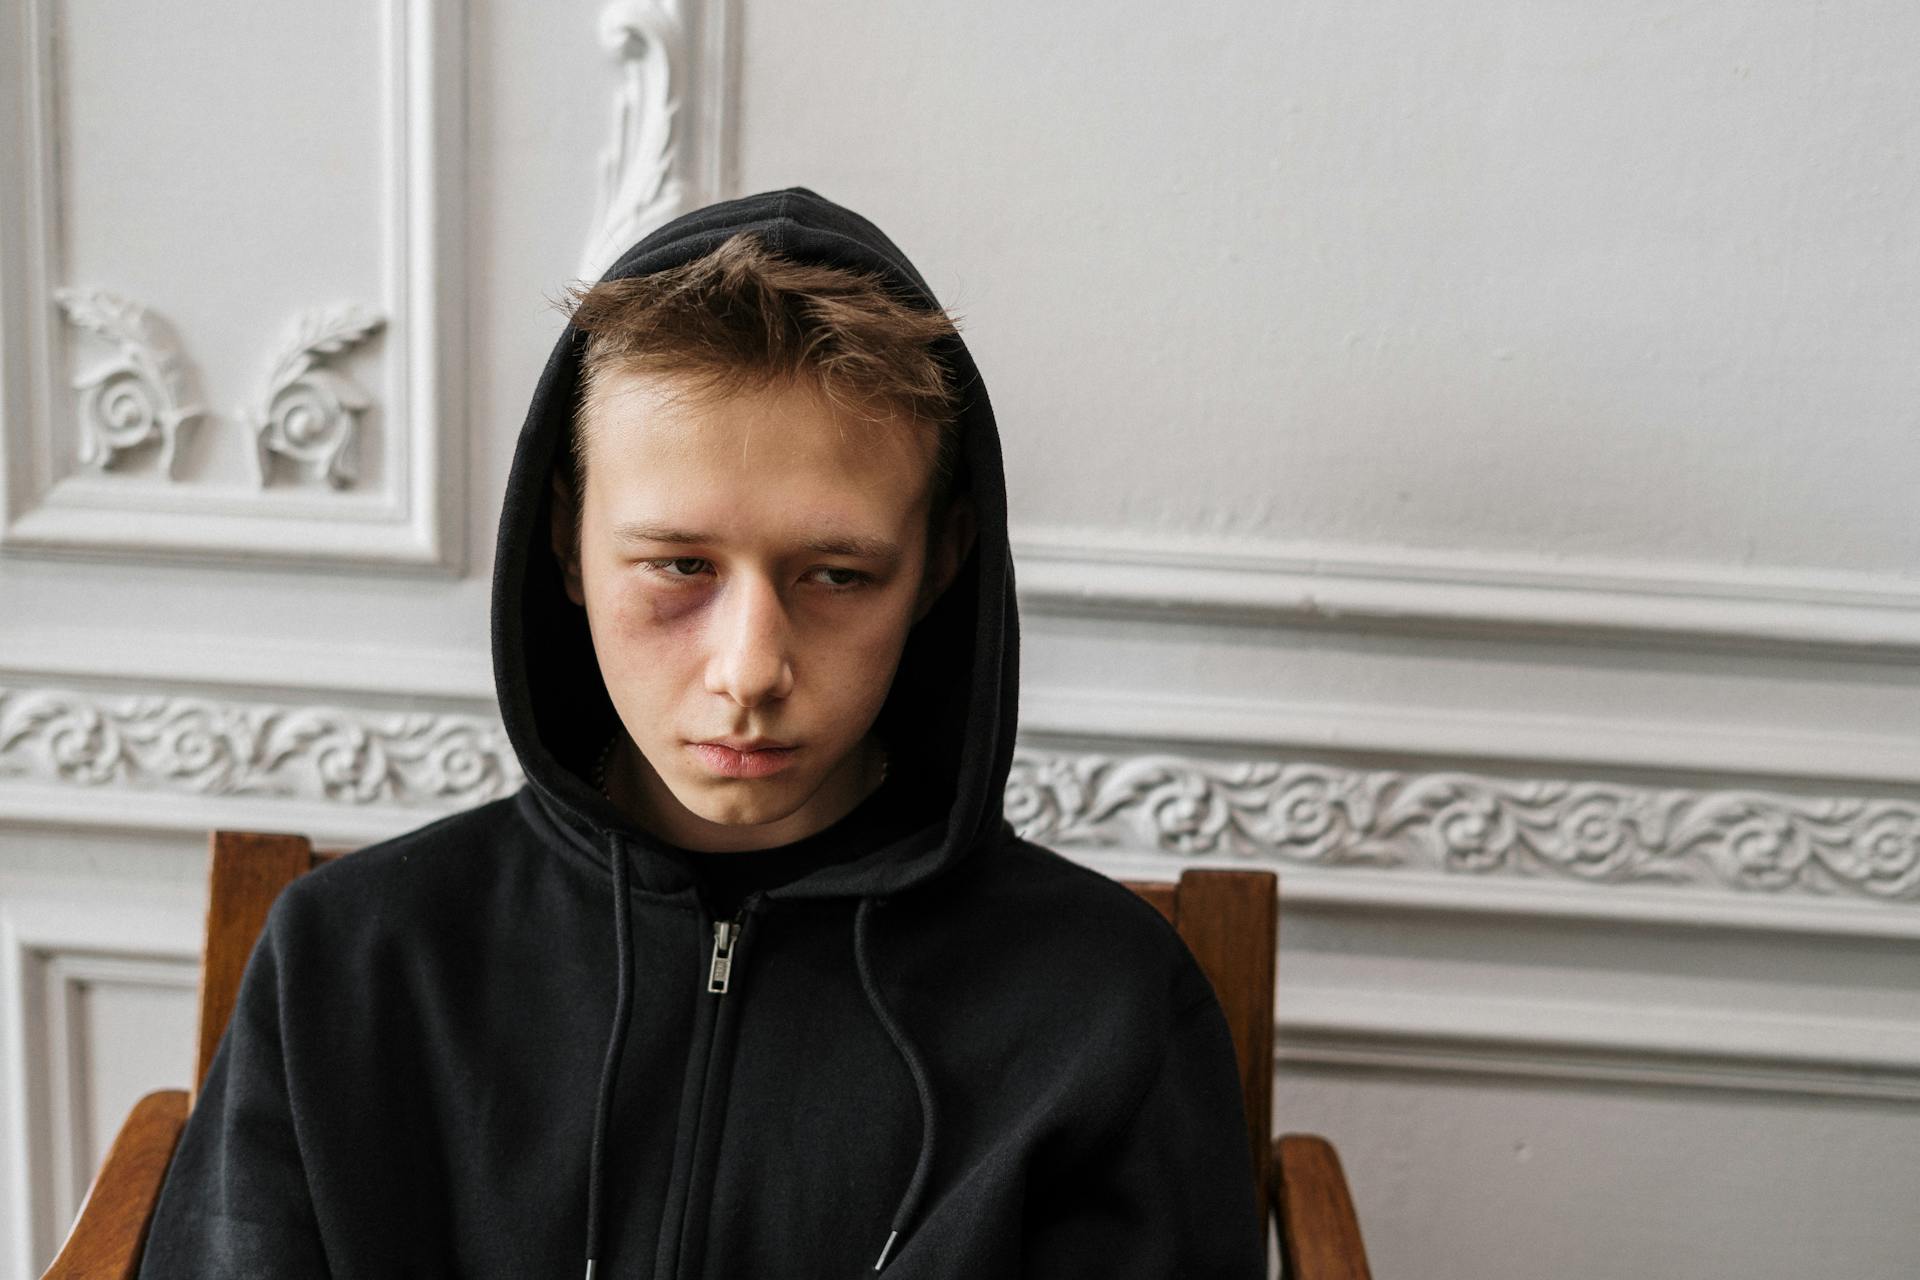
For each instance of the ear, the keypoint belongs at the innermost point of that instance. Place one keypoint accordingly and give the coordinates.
(564, 531)
(947, 554)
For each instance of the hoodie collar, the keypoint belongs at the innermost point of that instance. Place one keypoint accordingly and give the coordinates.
(955, 695)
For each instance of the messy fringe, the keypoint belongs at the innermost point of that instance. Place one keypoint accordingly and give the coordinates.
(743, 317)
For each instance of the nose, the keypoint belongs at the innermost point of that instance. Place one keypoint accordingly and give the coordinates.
(750, 660)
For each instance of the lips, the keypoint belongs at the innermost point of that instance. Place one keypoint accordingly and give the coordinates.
(757, 758)
(746, 744)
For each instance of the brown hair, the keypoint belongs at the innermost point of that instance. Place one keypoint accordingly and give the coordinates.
(744, 316)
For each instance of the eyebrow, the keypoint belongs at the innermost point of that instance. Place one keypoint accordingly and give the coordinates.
(830, 545)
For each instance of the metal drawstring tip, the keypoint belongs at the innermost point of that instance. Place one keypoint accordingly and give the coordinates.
(590, 1266)
(886, 1249)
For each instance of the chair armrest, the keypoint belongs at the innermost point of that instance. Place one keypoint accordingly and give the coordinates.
(1319, 1235)
(111, 1231)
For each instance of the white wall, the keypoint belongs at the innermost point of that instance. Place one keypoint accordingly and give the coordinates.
(1462, 456)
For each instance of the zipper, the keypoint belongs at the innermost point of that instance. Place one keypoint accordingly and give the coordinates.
(726, 933)
(678, 1257)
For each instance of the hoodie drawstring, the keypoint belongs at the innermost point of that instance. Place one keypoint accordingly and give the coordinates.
(616, 1041)
(617, 1038)
(910, 1198)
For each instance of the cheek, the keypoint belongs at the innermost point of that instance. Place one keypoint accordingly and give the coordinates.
(642, 637)
(858, 646)
(664, 610)
(634, 607)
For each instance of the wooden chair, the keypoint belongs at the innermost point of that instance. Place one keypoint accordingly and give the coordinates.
(1228, 919)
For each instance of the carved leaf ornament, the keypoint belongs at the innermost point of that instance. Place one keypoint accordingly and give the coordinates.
(141, 394)
(638, 191)
(309, 413)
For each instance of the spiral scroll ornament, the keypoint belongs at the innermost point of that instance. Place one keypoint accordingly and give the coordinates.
(310, 413)
(1298, 813)
(141, 394)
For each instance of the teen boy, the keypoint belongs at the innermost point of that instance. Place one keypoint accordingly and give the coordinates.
(752, 978)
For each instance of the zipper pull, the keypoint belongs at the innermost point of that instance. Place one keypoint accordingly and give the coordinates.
(725, 934)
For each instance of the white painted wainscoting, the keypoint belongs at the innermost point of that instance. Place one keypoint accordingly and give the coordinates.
(1462, 457)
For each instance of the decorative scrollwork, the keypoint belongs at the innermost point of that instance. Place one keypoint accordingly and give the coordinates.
(141, 394)
(1288, 813)
(206, 747)
(1470, 825)
(638, 189)
(310, 414)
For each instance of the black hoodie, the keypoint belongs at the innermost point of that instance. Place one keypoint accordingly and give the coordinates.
(494, 1046)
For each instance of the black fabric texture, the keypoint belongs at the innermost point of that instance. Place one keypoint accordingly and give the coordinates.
(890, 813)
(489, 1048)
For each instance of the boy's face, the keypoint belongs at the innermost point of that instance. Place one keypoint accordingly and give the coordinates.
(750, 565)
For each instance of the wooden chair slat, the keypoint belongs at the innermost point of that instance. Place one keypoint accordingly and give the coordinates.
(110, 1231)
(249, 869)
(1229, 922)
(1319, 1233)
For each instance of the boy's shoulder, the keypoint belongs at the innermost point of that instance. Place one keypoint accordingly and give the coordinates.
(1048, 880)
(436, 864)
(1045, 908)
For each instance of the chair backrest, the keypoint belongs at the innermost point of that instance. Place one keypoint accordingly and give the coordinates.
(1228, 919)
(249, 869)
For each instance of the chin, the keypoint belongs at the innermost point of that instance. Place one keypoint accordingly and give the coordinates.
(738, 802)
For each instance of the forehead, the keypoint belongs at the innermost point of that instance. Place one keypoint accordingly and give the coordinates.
(660, 444)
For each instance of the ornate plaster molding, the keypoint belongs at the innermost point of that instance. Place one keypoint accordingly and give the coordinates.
(1451, 823)
(310, 413)
(1470, 825)
(639, 183)
(142, 394)
(210, 747)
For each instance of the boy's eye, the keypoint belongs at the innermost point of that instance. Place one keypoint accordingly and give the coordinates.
(684, 568)
(846, 577)
(679, 567)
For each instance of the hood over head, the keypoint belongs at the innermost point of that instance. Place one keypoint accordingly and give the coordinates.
(949, 714)
(952, 706)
